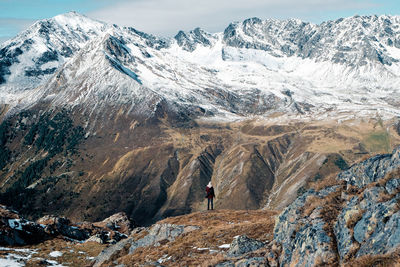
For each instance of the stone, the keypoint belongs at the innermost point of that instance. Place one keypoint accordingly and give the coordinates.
(242, 245)
(117, 222)
(54, 225)
(157, 233)
(372, 169)
(344, 237)
(16, 231)
(225, 264)
(109, 252)
(95, 238)
(392, 186)
(256, 262)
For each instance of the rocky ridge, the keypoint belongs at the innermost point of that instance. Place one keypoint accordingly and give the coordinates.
(17, 231)
(256, 67)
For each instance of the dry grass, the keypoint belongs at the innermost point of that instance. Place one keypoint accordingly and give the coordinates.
(216, 228)
(327, 182)
(310, 205)
(387, 260)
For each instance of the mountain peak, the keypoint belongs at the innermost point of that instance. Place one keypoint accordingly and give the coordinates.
(189, 40)
(71, 14)
(36, 53)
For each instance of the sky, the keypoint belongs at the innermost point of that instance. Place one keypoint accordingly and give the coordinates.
(167, 17)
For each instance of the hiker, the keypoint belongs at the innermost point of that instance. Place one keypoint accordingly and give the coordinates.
(210, 195)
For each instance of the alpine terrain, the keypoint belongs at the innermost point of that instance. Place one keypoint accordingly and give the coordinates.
(297, 126)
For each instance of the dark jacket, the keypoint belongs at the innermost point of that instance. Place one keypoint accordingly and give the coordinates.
(210, 192)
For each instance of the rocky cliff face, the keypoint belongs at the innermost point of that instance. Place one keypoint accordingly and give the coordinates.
(355, 218)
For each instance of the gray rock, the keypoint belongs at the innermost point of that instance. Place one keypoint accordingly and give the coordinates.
(378, 230)
(189, 40)
(157, 233)
(303, 240)
(371, 170)
(392, 186)
(242, 245)
(256, 261)
(95, 238)
(225, 264)
(107, 253)
(161, 232)
(343, 234)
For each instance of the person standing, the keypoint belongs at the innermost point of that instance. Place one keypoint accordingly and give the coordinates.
(210, 195)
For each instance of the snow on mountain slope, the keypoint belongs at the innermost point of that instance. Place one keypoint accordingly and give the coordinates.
(348, 66)
(35, 54)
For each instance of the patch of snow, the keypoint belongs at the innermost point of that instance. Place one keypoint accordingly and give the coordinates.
(15, 224)
(9, 262)
(16, 260)
(55, 254)
(164, 258)
(54, 263)
(225, 246)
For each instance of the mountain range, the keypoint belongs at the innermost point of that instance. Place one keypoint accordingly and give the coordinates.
(98, 118)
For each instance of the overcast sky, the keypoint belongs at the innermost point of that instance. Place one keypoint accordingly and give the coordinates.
(167, 17)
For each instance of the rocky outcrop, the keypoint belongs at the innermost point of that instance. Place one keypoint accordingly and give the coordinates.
(62, 226)
(371, 170)
(101, 232)
(242, 245)
(117, 222)
(15, 230)
(350, 220)
(300, 235)
(254, 261)
(156, 234)
(358, 216)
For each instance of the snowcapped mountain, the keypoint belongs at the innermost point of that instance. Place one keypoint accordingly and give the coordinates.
(102, 118)
(254, 67)
(30, 58)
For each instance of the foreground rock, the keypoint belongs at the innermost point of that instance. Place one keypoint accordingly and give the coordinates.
(242, 245)
(156, 234)
(340, 223)
(117, 222)
(17, 231)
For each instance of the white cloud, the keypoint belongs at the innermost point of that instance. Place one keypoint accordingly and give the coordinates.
(166, 17)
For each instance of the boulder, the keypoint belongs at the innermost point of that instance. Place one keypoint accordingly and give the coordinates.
(117, 222)
(367, 222)
(255, 261)
(54, 226)
(16, 231)
(157, 233)
(95, 238)
(371, 170)
(242, 245)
